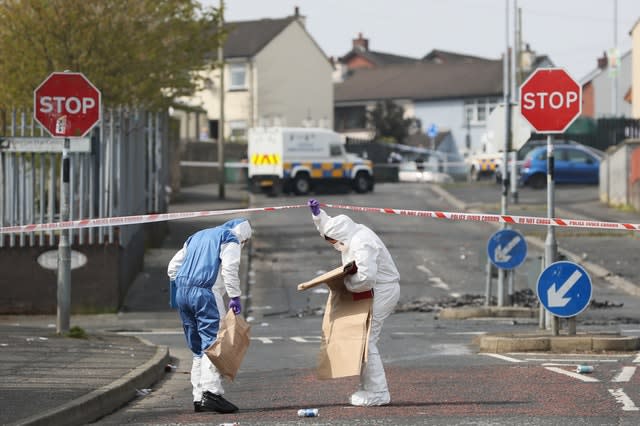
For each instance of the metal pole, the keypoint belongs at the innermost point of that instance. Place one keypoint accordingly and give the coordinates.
(487, 290)
(542, 311)
(514, 176)
(515, 54)
(615, 50)
(505, 175)
(64, 252)
(221, 176)
(550, 244)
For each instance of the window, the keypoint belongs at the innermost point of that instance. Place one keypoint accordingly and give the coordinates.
(350, 118)
(575, 156)
(238, 73)
(335, 150)
(238, 130)
(476, 111)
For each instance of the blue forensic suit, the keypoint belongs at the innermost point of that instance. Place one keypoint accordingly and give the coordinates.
(209, 257)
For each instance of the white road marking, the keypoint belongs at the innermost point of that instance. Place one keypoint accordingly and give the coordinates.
(424, 269)
(572, 361)
(266, 340)
(503, 357)
(572, 374)
(466, 333)
(557, 364)
(407, 333)
(438, 283)
(450, 349)
(637, 358)
(153, 332)
(261, 308)
(623, 398)
(304, 339)
(625, 375)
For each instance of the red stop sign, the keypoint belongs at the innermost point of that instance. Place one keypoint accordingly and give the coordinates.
(66, 104)
(550, 100)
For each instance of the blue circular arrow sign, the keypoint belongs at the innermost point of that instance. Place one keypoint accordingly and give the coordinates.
(564, 289)
(507, 249)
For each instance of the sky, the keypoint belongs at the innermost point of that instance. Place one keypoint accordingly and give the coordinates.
(573, 33)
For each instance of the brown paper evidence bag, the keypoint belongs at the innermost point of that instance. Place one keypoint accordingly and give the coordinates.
(345, 327)
(229, 349)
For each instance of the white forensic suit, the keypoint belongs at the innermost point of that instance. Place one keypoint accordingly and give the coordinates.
(377, 272)
(206, 267)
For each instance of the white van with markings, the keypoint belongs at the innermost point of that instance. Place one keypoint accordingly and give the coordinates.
(300, 160)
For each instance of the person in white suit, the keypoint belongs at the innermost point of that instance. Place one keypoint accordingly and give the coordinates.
(374, 272)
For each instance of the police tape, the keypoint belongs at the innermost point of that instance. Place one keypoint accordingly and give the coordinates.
(495, 218)
(453, 216)
(132, 220)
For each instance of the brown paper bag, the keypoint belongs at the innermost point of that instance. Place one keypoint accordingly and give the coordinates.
(228, 350)
(345, 328)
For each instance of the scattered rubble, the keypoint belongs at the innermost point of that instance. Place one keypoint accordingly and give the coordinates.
(525, 298)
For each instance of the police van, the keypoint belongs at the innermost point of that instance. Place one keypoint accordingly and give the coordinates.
(300, 160)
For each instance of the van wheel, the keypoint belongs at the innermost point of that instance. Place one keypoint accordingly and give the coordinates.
(362, 183)
(301, 184)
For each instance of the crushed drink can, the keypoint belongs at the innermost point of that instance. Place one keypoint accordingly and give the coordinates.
(584, 369)
(308, 412)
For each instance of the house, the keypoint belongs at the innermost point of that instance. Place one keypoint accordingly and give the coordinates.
(274, 74)
(455, 96)
(360, 56)
(598, 87)
(450, 91)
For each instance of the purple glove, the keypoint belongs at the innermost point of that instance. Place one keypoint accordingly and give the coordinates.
(314, 205)
(234, 305)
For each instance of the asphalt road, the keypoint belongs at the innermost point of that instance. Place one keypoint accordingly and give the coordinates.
(436, 375)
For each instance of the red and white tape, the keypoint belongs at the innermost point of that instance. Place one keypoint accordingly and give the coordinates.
(131, 220)
(469, 217)
(495, 218)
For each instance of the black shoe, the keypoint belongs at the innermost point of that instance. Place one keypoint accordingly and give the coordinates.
(213, 402)
(197, 406)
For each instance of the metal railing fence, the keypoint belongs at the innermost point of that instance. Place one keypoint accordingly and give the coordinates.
(122, 169)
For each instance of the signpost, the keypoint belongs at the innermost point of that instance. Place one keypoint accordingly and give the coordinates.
(550, 100)
(507, 249)
(564, 289)
(67, 105)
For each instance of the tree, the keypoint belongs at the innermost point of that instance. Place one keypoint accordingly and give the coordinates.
(142, 52)
(388, 119)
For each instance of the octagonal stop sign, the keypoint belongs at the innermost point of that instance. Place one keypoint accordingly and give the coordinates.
(550, 100)
(67, 104)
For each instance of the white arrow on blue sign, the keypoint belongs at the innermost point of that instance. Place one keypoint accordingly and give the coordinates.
(507, 249)
(564, 289)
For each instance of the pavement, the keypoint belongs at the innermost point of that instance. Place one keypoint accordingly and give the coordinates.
(50, 379)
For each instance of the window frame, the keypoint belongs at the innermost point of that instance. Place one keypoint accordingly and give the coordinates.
(235, 69)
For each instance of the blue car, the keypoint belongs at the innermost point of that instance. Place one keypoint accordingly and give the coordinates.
(573, 164)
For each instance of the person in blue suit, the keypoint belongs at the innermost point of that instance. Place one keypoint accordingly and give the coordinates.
(203, 270)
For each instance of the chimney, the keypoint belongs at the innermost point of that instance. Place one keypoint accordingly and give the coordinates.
(603, 61)
(360, 43)
(298, 17)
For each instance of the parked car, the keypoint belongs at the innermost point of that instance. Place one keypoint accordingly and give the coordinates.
(419, 171)
(532, 144)
(573, 164)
